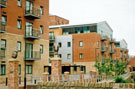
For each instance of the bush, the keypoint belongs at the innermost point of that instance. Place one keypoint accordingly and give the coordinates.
(119, 79)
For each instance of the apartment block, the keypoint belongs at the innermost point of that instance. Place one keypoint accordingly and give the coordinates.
(57, 20)
(24, 27)
(81, 44)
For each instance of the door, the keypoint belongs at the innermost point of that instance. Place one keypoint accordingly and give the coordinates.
(29, 50)
(29, 29)
(29, 7)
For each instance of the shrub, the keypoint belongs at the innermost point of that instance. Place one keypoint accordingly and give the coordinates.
(119, 79)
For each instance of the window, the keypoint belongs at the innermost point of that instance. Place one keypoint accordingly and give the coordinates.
(41, 29)
(98, 44)
(18, 46)
(75, 68)
(29, 29)
(80, 55)
(60, 44)
(68, 44)
(4, 20)
(68, 56)
(29, 50)
(41, 49)
(60, 55)
(41, 10)
(28, 69)
(80, 43)
(19, 69)
(3, 69)
(19, 3)
(3, 44)
(19, 24)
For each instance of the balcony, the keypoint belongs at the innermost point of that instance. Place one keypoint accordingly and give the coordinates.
(33, 56)
(32, 34)
(112, 40)
(2, 53)
(104, 38)
(2, 27)
(112, 51)
(121, 56)
(126, 56)
(51, 49)
(32, 13)
(51, 38)
(104, 49)
(3, 3)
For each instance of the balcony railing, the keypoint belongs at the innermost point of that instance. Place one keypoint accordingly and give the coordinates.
(52, 38)
(51, 49)
(104, 49)
(32, 34)
(3, 4)
(32, 13)
(104, 38)
(2, 53)
(112, 40)
(32, 56)
(112, 51)
(2, 27)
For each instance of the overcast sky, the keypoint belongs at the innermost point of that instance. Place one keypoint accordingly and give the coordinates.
(120, 15)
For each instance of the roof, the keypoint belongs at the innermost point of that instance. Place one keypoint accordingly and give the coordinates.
(77, 25)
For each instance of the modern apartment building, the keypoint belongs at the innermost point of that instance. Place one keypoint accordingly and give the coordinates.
(82, 44)
(24, 27)
(57, 20)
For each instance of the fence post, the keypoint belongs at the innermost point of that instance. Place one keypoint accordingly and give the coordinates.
(13, 76)
(45, 77)
(66, 76)
(81, 76)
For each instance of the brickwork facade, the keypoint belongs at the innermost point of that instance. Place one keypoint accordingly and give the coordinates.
(36, 34)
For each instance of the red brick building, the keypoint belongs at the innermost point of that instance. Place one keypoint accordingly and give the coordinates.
(57, 20)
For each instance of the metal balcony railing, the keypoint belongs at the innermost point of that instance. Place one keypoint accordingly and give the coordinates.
(112, 40)
(2, 27)
(2, 53)
(34, 55)
(3, 3)
(32, 13)
(104, 49)
(52, 38)
(104, 38)
(112, 51)
(32, 34)
(51, 49)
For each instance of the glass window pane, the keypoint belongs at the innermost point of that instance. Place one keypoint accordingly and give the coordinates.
(19, 3)
(3, 44)
(19, 24)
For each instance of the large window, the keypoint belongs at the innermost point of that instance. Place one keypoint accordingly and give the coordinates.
(80, 43)
(3, 69)
(3, 44)
(68, 44)
(18, 46)
(41, 49)
(41, 29)
(28, 69)
(19, 24)
(29, 29)
(19, 3)
(60, 44)
(68, 56)
(29, 50)
(81, 56)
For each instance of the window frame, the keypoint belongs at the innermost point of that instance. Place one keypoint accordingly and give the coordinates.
(41, 49)
(68, 44)
(28, 70)
(18, 42)
(3, 72)
(19, 69)
(81, 55)
(41, 10)
(80, 43)
(69, 56)
(19, 24)
(41, 29)
(4, 44)
(19, 3)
